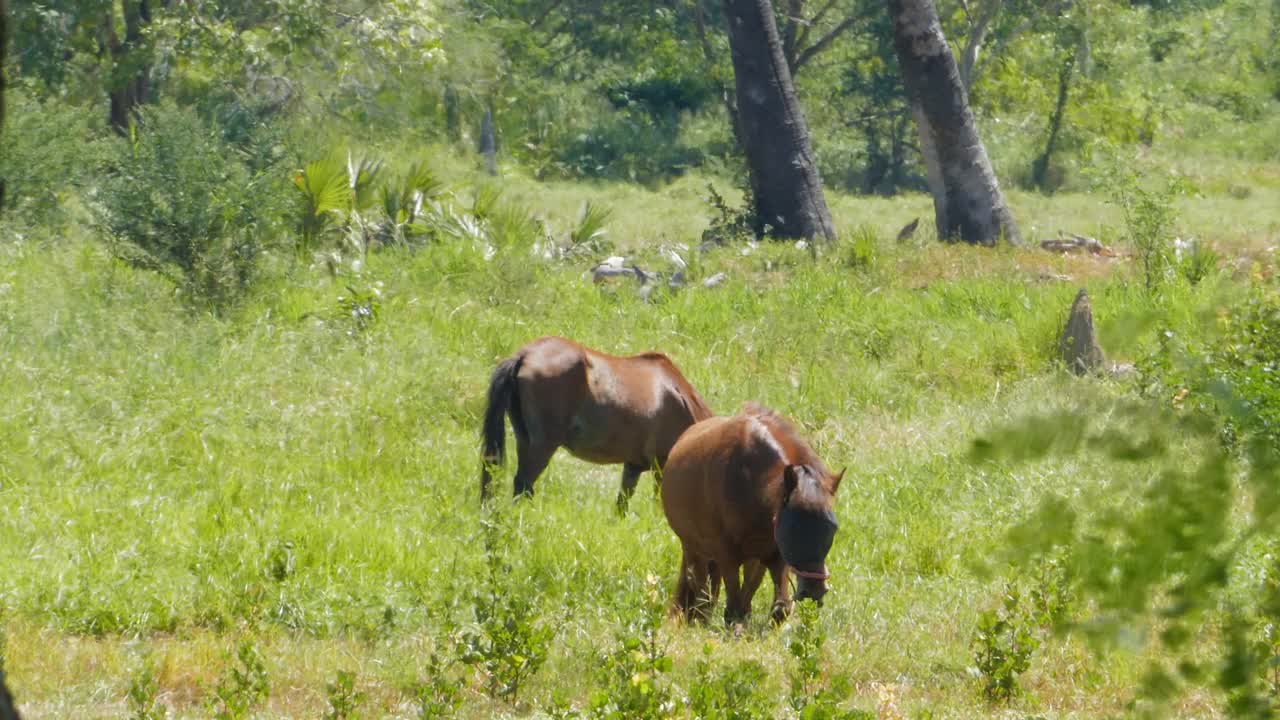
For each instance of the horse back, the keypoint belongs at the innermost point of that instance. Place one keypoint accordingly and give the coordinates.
(721, 484)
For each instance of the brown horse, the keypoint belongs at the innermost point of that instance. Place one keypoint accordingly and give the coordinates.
(603, 409)
(745, 492)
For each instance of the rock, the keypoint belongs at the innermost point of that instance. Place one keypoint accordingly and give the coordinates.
(1057, 277)
(1121, 371)
(715, 280)
(1078, 346)
(1069, 243)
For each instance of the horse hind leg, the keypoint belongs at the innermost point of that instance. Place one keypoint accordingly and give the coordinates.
(630, 478)
(531, 459)
(691, 590)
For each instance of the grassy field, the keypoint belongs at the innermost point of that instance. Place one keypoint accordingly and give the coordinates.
(177, 483)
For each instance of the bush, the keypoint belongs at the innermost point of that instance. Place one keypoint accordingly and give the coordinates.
(179, 201)
(506, 643)
(1149, 218)
(629, 145)
(730, 693)
(243, 686)
(47, 149)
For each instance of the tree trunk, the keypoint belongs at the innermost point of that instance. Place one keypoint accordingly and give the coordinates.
(1040, 168)
(784, 178)
(489, 143)
(967, 201)
(4, 48)
(7, 709)
(129, 66)
(451, 125)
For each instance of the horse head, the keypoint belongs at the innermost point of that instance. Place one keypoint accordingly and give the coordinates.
(805, 526)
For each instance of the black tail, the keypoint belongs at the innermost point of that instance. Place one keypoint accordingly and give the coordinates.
(502, 398)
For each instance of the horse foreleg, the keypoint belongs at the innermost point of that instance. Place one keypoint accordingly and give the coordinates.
(630, 478)
(735, 611)
(752, 575)
(532, 459)
(781, 590)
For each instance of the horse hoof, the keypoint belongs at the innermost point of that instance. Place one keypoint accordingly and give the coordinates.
(779, 613)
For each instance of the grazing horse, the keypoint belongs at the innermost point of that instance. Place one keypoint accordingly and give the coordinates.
(745, 492)
(603, 409)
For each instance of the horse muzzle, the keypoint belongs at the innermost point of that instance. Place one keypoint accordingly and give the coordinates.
(811, 585)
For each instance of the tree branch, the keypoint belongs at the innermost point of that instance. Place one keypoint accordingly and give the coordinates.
(803, 40)
(794, 17)
(823, 42)
(1054, 9)
(551, 7)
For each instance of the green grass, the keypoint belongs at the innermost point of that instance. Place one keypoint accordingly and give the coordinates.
(175, 482)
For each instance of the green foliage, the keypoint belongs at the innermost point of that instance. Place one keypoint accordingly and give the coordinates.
(729, 225)
(49, 151)
(344, 698)
(243, 686)
(1149, 217)
(859, 249)
(814, 693)
(507, 643)
(441, 693)
(635, 674)
(730, 693)
(179, 202)
(339, 194)
(1232, 374)
(1172, 551)
(589, 234)
(142, 694)
(1004, 642)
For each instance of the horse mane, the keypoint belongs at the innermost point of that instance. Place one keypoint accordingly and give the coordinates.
(784, 434)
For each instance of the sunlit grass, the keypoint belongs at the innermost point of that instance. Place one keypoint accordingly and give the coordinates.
(175, 482)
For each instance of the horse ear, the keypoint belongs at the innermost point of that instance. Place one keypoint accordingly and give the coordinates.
(790, 479)
(835, 481)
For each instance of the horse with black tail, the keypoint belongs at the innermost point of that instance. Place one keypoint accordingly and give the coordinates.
(601, 408)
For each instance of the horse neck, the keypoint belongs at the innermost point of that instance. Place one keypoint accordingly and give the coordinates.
(696, 404)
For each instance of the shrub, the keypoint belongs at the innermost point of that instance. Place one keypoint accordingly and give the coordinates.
(1004, 641)
(440, 694)
(243, 686)
(731, 693)
(634, 687)
(344, 698)
(177, 200)
(506, 644)
(47, 150)
(813, 695)
(143, 689)
(1149, 217)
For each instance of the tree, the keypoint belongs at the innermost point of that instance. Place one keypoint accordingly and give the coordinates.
(130, 66)
(786, 189)
(4, 36)
(967, 202)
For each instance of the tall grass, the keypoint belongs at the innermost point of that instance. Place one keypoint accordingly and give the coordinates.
(272, 474)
